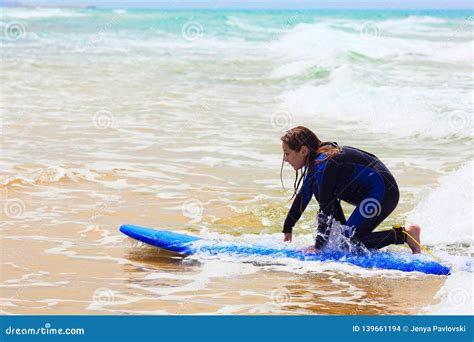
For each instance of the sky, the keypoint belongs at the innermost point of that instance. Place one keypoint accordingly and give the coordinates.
(379, 4)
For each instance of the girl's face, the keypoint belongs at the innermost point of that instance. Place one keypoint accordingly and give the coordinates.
(297, 159)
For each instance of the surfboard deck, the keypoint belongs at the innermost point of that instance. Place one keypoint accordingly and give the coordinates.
(187, 245)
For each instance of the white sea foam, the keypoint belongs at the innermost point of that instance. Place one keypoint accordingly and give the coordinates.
(350, 100)
(455, 297)
(386, 79)
(246, 26)
(288, 264)
(445, 215)
(325, 44)
(293, 68)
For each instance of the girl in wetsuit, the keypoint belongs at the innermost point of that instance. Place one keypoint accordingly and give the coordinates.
(332, 173)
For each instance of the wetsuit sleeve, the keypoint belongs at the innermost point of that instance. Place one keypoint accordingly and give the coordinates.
(299, 204)
(339, 213)
(328, 204)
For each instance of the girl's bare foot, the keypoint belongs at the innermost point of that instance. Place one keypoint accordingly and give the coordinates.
(414, 230)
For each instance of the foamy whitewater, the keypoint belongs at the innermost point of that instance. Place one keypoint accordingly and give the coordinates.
(171, 119)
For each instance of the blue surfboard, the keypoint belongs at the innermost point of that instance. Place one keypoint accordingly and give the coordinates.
(187, 245)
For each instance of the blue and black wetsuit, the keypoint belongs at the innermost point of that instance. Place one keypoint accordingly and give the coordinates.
(356, 177)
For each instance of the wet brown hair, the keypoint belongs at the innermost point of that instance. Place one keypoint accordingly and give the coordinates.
(301, 136)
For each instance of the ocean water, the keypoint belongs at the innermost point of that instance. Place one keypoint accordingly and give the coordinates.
(172, 119)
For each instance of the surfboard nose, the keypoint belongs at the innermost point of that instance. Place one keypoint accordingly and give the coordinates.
(171, 241)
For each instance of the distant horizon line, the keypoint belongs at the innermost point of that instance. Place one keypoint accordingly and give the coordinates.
(236, 5)
(2, 5)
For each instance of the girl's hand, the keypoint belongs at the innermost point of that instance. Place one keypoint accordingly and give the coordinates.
(310, 249)
(288, 237)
